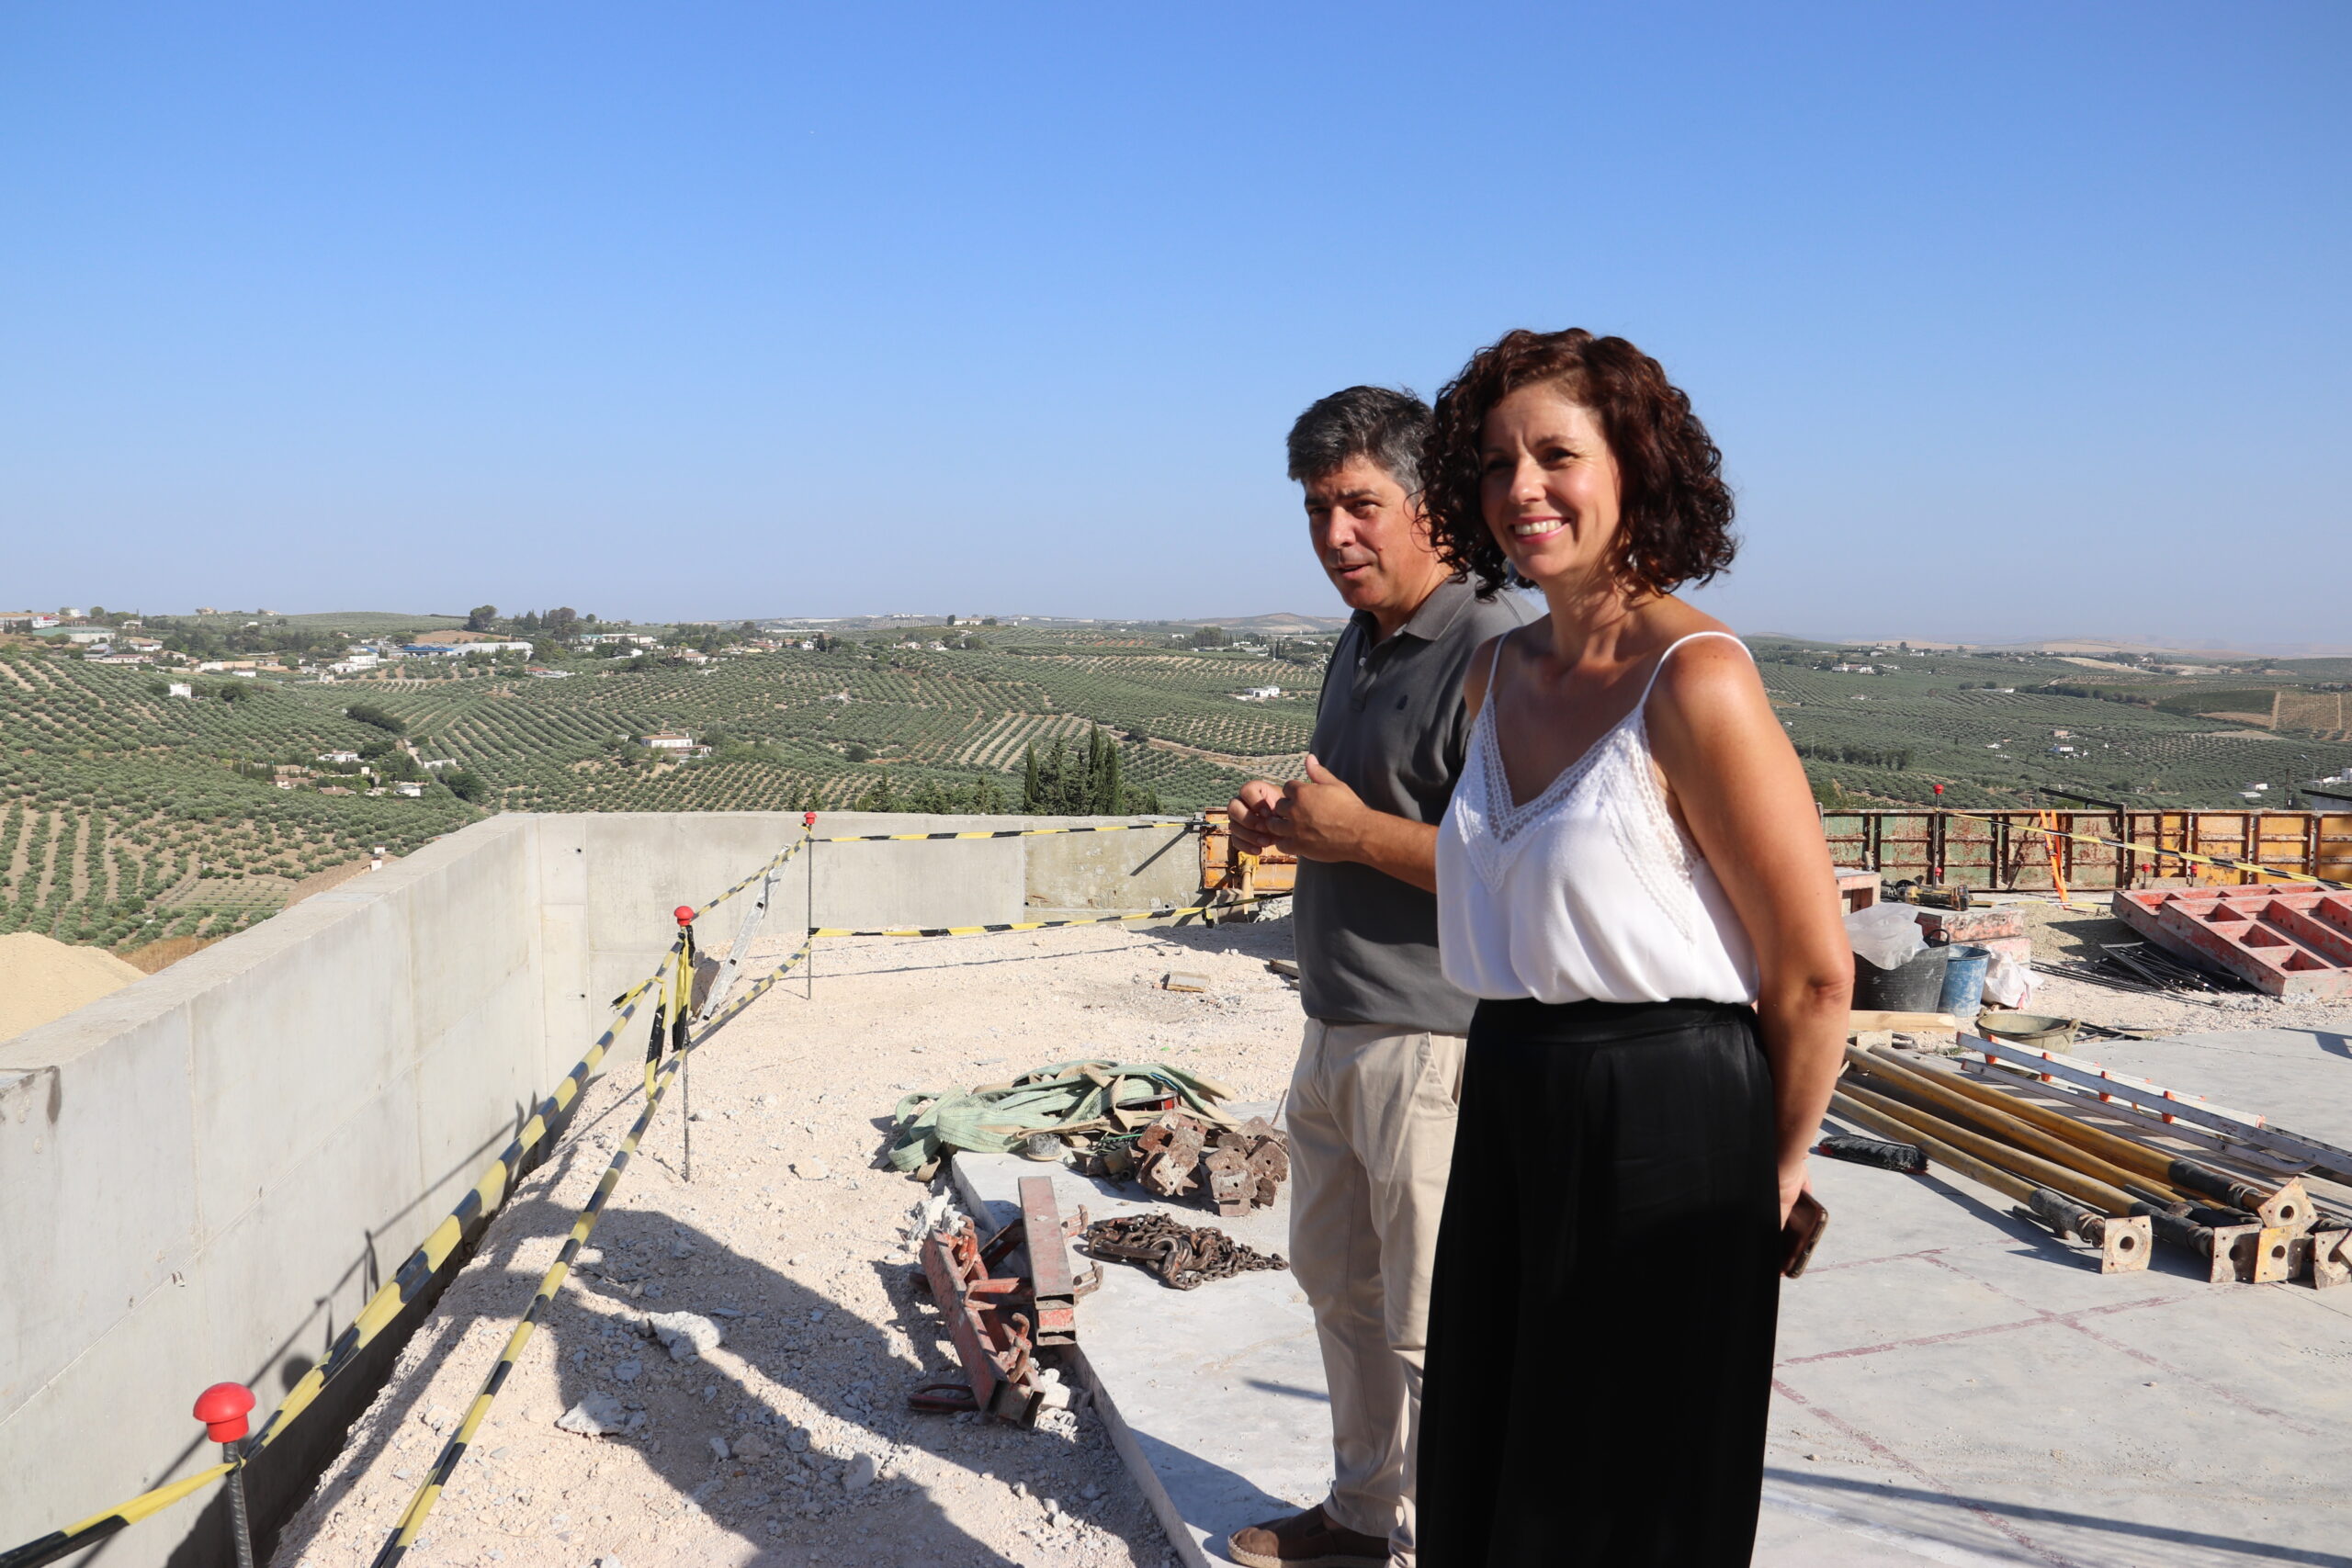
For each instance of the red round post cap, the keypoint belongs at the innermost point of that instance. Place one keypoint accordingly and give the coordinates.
(807, 819)
(685, 914)
(223, 1408)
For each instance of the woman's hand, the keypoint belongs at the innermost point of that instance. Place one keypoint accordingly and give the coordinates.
(1795, 1181)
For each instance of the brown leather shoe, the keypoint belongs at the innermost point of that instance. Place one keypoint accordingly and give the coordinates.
(1306, 1541)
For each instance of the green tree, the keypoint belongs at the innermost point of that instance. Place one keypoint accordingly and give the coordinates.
(480, 617)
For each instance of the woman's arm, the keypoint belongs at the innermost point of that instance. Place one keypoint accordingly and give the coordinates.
(1744, 797)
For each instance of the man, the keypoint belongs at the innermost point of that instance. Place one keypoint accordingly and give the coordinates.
(1372, 1101)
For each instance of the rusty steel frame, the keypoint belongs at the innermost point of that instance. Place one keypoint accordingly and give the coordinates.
(1000, 1323)
(2000, 851)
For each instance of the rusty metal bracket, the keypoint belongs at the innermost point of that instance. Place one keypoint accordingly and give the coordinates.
(1000, 1323)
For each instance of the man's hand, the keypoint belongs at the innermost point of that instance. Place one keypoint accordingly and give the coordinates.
(1320, 818)
(1251, 815)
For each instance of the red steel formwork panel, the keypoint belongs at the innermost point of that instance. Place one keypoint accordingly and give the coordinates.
(2288, 944)
(2005, 850)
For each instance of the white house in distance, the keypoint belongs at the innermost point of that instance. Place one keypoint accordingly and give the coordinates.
(460, 649)
(671, 743)
(1259, 694)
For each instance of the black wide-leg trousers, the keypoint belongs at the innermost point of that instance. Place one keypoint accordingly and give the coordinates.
(1601, 1316)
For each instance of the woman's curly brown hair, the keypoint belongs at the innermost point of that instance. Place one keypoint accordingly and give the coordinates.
(1675, 508)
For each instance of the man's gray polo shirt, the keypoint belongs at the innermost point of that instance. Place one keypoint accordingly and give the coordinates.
(1391, 723)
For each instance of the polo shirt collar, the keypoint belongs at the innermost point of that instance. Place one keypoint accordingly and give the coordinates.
(1438, 612)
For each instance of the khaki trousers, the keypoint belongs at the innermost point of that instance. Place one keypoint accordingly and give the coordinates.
(1371, 1117)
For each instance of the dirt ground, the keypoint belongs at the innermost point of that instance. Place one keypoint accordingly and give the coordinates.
(2073, 935)
(798, 1246)
(795, 1243)
(42, 979)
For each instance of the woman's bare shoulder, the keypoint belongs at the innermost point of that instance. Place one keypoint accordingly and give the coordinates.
(1709, 679)
(1481, 663)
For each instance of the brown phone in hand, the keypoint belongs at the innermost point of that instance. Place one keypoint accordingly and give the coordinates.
(1807, 1219)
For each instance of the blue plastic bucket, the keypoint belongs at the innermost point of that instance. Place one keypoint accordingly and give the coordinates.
(1963, 994)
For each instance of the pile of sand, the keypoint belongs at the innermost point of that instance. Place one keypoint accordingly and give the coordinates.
(42, 979)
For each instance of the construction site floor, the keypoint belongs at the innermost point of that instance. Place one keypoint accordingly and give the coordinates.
(1952, 1387)
(1957, 1388)
(1213, 1397)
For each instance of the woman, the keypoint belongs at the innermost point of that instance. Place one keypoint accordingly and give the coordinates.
(1633, 879)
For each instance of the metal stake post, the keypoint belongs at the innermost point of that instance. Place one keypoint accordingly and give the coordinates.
(223, 1408)
(808, 964)
(682, 1035)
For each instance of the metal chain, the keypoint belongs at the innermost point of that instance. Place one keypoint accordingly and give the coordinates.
(1184, 1256)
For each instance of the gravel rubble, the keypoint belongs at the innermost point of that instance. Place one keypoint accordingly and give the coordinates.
(768, 1424)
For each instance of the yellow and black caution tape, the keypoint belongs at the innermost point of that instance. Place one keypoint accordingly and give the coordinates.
(491, 1189)
(1184, 822)
(1185, 913)
(758, 989)
(420, 1506)
(385, 1305)
(781, 856)
(484, 1196)
(98, 1527)
(2157, 852)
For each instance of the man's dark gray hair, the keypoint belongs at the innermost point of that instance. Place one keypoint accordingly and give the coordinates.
(1383, 423)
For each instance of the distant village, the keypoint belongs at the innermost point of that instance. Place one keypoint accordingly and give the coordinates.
(211, 643)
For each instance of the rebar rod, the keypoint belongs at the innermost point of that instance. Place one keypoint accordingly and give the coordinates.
(2285, 1205)
(2000, 1123)
(2059, 1177)
(2122, 1243)
(2204, 1241)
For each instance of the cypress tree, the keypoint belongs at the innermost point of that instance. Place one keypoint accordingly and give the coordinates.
(1114, 791)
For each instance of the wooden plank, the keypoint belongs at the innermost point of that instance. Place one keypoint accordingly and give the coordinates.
(1860, 1019)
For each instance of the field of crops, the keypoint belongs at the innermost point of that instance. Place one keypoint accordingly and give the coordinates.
(127, 815)
(1945, 718)
(123, 818)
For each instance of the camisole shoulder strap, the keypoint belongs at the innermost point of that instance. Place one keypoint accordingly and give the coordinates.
(1662, 658)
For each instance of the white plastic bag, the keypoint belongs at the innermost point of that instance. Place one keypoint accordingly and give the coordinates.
(1885, 934)
(2007, 982)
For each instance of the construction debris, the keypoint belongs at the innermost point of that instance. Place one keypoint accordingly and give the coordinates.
(2226, 1189)
(1185, 980)
(1069, 1100)
(1908, 1158)
(1168, 1154)
(1000, 1323)
(1184, 1256)
(1242, 1167)
(2294, 943)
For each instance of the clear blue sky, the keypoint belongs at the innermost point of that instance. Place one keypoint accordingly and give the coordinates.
(2011, 319)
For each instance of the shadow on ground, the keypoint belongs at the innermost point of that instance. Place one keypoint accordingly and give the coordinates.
(541, 1494)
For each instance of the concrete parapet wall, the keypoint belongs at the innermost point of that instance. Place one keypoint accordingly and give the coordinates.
(204, 1175)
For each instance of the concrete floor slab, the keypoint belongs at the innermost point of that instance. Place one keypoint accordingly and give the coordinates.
(2142, 1419)
(1954, 1386)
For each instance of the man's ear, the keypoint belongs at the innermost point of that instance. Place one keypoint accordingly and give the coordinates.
(1417, 511)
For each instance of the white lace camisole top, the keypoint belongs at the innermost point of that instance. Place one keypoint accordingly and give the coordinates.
(1590, 891)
